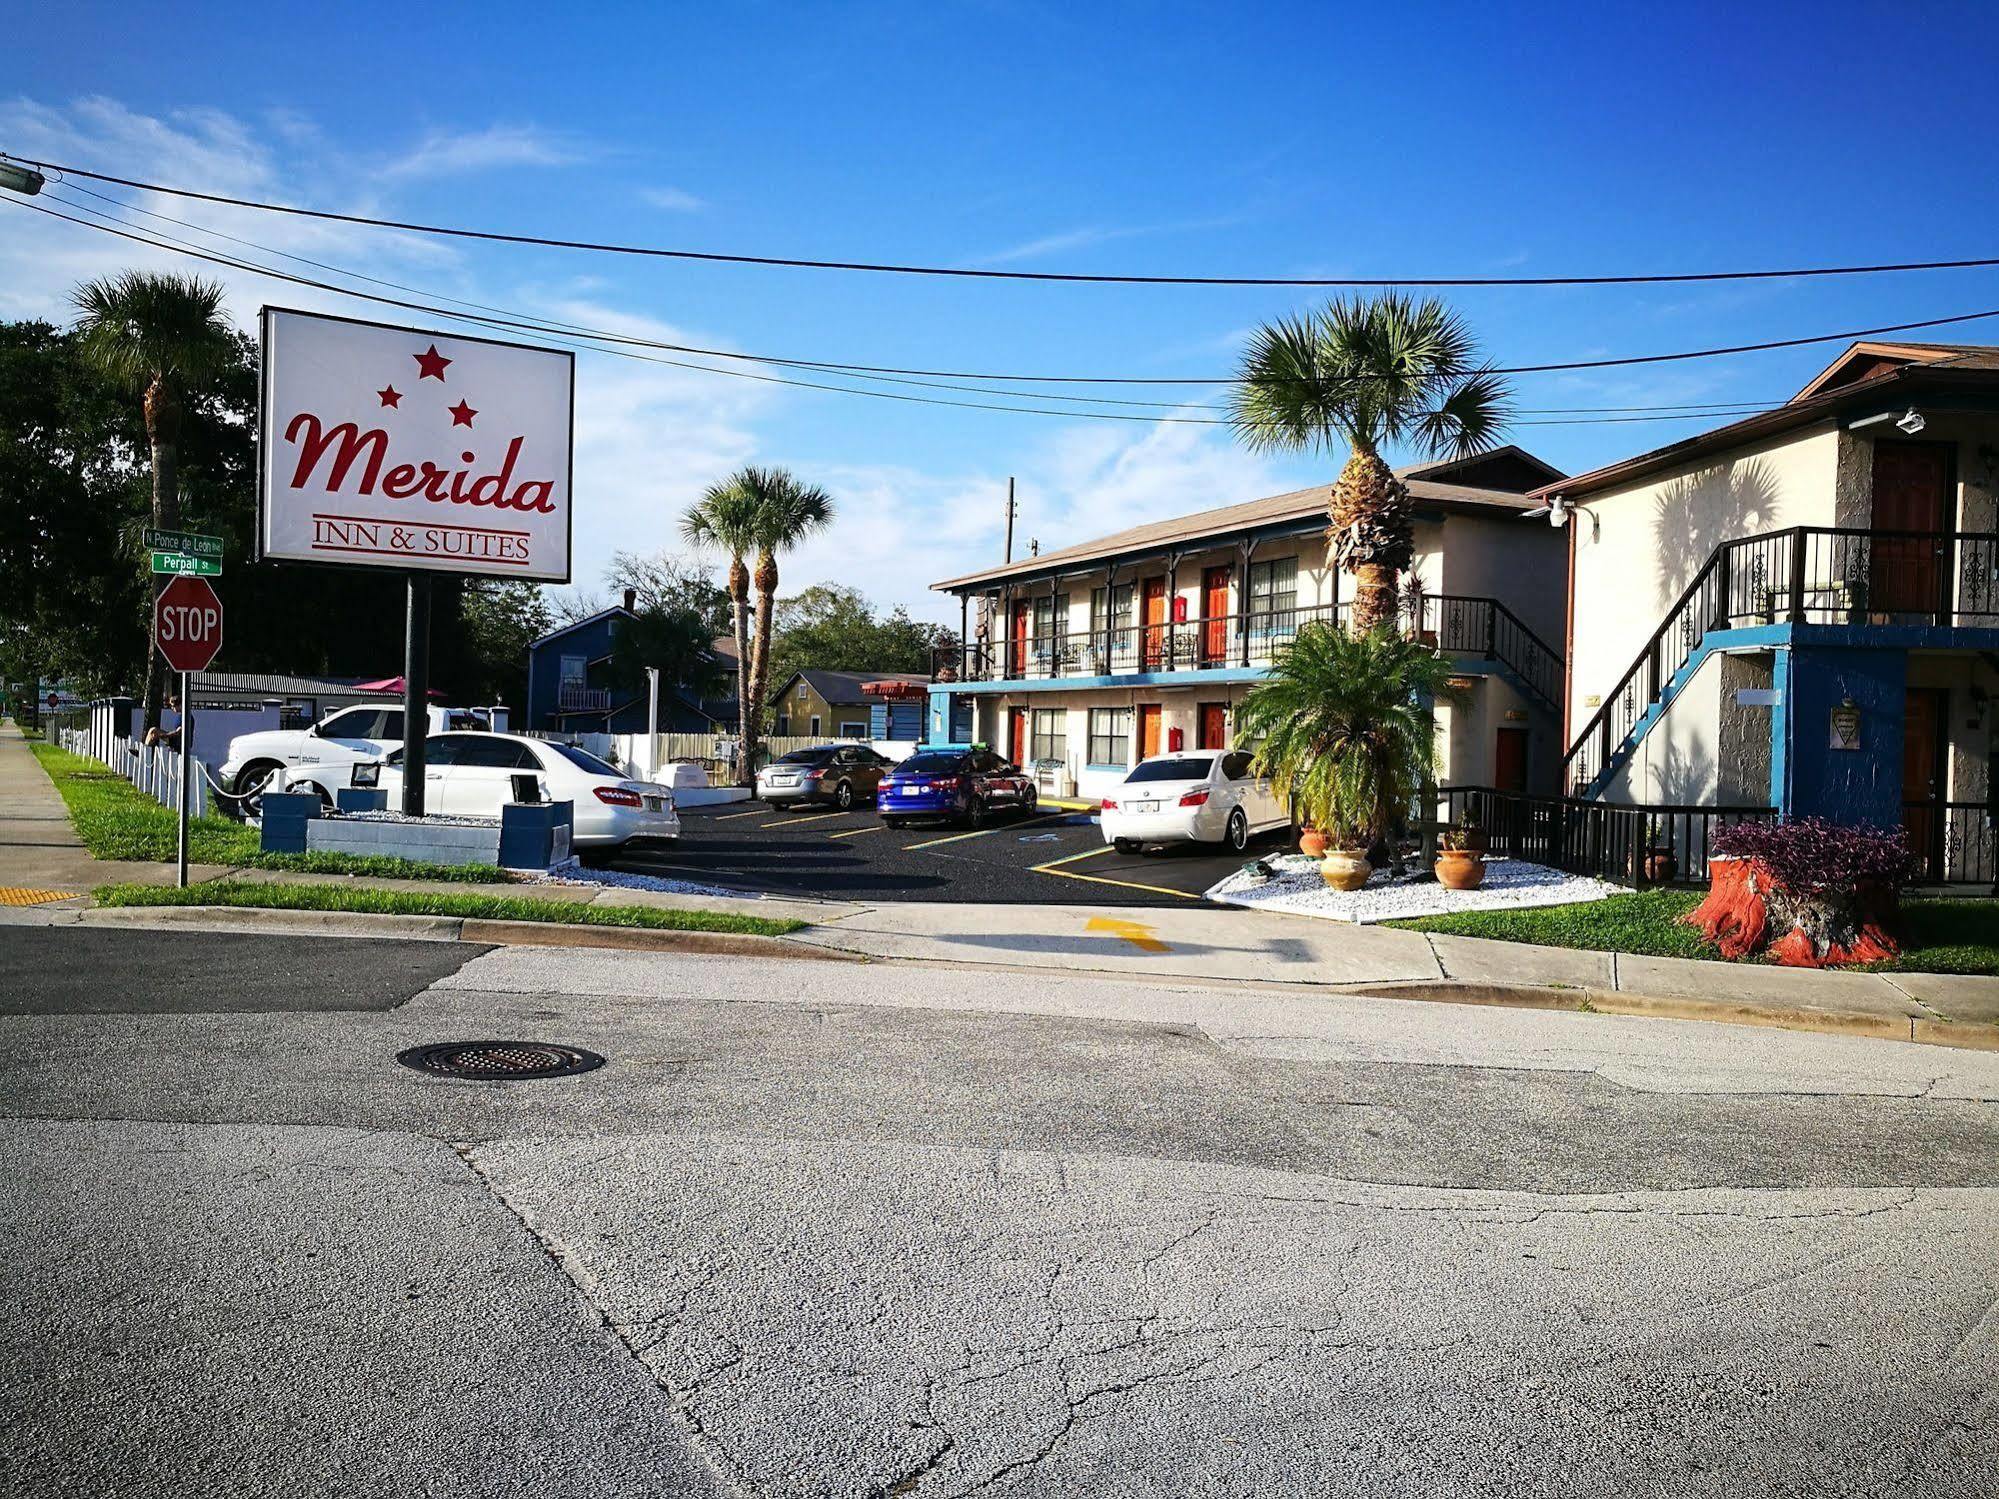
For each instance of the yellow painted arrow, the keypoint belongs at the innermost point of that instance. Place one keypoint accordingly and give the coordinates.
(1137, 933)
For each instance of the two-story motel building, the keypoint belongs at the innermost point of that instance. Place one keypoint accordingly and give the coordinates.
(1099, 654)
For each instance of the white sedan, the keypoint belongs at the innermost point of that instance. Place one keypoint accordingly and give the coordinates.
(1199, 796)
(472, 775)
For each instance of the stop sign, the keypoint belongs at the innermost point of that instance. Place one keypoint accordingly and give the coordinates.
(187, 624)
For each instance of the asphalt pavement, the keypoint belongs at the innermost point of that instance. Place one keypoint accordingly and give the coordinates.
(1050, 858)
(821, 1229)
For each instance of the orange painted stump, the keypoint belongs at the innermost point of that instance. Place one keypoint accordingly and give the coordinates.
(1745, 904)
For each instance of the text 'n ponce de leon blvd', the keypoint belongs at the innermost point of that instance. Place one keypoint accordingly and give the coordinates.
(376, 454)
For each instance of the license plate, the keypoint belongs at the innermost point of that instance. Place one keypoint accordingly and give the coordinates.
(655, 804)
(1145, 806)
(912, 790)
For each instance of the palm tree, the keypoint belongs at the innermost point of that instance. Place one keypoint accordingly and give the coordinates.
(1343, 728)
(1369, 374)
(725, 519)
(787, 511)
(164, 336)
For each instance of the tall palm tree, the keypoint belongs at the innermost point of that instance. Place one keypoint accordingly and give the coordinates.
(1342, 726)
(787, 511)
(164, 336)
(1369, 373)
(725, 519)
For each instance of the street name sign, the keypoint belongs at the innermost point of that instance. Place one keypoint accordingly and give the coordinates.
(183, 565)
(187, 624)
(414, 450)
(188, 543)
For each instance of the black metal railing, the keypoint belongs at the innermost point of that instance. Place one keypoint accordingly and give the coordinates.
(1625, 844)
(1955, 843)
(1465, 625)
(1806, 575)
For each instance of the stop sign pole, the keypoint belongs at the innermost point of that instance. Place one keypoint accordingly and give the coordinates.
(187, 632)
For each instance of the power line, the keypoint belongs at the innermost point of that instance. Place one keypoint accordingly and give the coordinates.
(1683, 407)
(181, 247)
(971, 273)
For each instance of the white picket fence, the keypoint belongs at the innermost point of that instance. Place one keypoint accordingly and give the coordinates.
(154, 770)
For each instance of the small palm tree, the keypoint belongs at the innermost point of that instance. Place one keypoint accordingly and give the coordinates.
(725, 520)
(164, 336)
(1343, 728)
(1369, 374)
(781, 511)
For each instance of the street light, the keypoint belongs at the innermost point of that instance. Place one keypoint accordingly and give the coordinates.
(19, 179)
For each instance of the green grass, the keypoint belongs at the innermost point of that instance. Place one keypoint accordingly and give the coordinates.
(375, 902)
(116, 820)
(1938, 936)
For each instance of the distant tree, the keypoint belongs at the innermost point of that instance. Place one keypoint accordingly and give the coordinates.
(725, 520)
(498, 619)
(163, 337)
(831, 627)
(666, 580)
(678, 639)
(1368, 373)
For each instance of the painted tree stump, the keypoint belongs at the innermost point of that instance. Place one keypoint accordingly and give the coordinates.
(1746, 904)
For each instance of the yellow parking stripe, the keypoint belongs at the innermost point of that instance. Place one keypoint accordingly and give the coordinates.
(1054, 867)
(873, 827)
(732, 816)
(984, 832)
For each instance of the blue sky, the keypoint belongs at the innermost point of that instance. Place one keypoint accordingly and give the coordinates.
(1274, 140)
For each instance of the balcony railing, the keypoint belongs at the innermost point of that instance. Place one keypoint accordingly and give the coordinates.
(570, 699)
(1462, 625)
(1806, 575)
(1600, 839)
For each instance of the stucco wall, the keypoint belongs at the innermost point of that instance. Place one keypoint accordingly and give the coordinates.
(1524, 563)
(1638, 547)
(1743, 732)
(1678, 761)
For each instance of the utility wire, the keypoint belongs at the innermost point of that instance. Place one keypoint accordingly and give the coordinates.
(181, 247)
(972, 273)
(1683, 407)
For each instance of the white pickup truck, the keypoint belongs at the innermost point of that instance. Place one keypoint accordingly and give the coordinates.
(367, 731)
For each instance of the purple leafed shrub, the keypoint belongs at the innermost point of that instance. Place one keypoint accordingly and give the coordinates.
(1813, 857)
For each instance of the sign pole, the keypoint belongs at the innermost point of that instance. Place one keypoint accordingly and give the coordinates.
(186, 752)
(416, 692)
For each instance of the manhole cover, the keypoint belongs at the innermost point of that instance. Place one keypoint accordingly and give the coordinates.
(499, 1061)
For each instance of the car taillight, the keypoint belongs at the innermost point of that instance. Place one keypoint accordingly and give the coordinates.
(617, 796)
(1194, 799)
(813, 775)
(1108, 806)
(945, 783)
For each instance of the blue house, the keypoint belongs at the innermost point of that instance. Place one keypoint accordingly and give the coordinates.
(569, 690)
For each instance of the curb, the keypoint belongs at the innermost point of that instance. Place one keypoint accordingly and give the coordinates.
(456, 929)
(1962, 1035)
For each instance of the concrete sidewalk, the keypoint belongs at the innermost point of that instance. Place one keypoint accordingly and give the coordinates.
(1225, 946)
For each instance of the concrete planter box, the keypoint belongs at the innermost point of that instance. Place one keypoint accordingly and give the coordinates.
(527, 836)
(426, 842)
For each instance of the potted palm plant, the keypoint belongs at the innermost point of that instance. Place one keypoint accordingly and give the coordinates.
(1342, 727)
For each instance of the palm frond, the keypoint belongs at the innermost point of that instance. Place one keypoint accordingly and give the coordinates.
(141, 326)
(1473, 412)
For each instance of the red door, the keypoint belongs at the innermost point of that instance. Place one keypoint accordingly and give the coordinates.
(1152, 643)
(1923, 776)
(1213, 731)
(1912, 492)
(1215, 616)
(1016, 651)
(1509, 760)
(1016, 736)
(1149, 716)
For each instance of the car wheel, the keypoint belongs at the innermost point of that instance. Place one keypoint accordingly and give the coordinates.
(975, 812)
(1029, 800)
(891, 822)
(1237, 836)
(1125, 845)
(843, 796)
(325, 796)
(251, 784)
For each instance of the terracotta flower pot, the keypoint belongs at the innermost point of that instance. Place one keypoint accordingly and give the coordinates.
(1460, 869)
(1345, 868)
(1313, 843)
(1661, 867)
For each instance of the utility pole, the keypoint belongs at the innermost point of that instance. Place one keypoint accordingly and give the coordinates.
(1009, 519)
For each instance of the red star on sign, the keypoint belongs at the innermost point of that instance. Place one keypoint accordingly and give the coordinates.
(390, 395)
(430, 364)
(461, 414)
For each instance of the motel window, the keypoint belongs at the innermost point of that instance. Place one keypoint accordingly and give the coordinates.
(1110, 736)
(1273, 585)
(1046, 613)
(1110, 608)
(575, 670)
(1048, 734)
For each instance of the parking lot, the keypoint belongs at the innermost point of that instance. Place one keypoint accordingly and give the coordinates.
(1051, 858)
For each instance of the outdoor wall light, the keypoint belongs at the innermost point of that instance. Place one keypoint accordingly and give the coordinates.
(366, 776)
(1911, 421)
(19, 179)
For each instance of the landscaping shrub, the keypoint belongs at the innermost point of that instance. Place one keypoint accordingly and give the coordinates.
(1827, 891)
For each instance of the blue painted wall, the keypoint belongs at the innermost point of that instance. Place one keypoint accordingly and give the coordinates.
(590, 641)
(1862, 785)
(896, 720)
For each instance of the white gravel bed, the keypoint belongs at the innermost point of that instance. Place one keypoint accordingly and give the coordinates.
(428, 820)
(573, 873)
(1297, 888)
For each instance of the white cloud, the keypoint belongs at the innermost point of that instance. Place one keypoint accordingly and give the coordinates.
(1089, 235)
(445, 153)
(672, 199)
